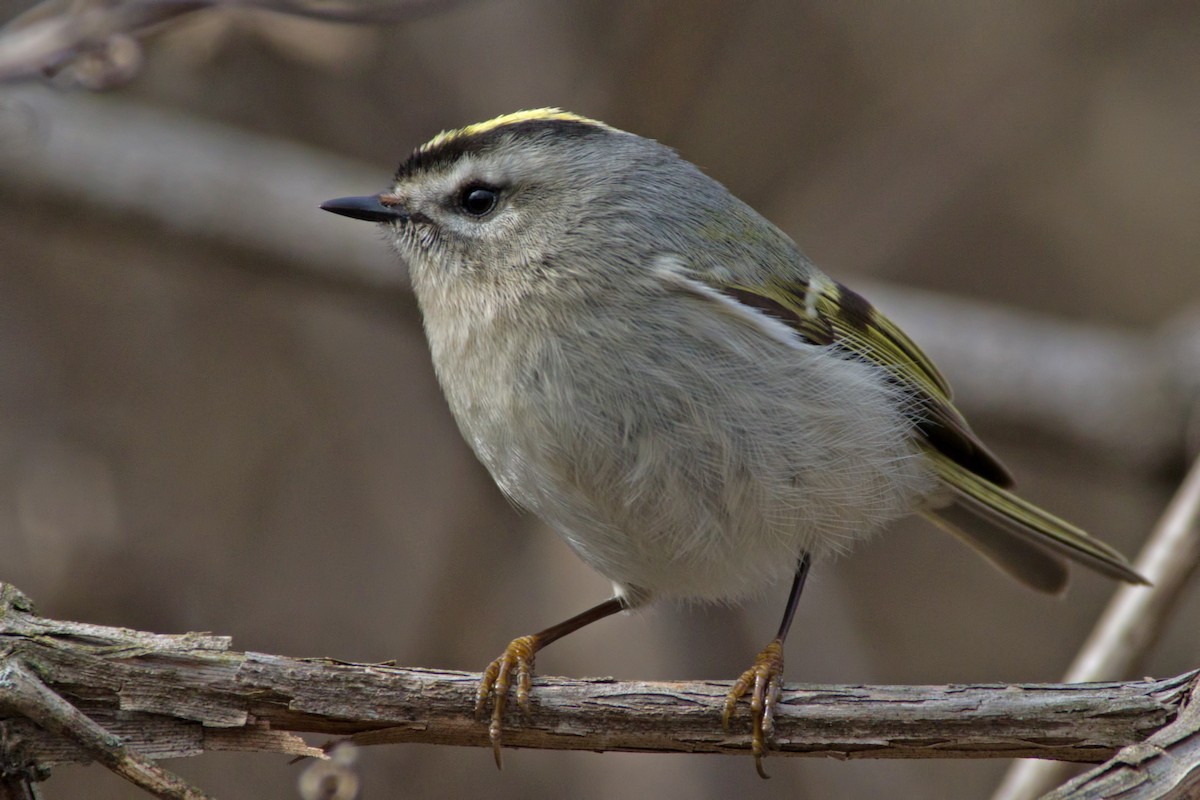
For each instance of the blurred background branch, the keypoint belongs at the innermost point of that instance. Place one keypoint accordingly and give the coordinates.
(1124, 636)
(1125, 395)
(94, 43)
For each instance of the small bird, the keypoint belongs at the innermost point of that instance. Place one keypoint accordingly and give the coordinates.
(657, 372)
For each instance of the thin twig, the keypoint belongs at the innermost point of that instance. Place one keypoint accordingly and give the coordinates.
(1132, 622)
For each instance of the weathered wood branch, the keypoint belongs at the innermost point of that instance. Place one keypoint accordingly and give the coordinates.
(74, 692)
(1164, 767)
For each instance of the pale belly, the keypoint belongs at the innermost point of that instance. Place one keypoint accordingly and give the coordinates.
(703, 476)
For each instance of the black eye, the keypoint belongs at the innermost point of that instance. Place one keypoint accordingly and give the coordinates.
(478, 201)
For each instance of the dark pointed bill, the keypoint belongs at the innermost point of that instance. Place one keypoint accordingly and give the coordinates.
(367, 208)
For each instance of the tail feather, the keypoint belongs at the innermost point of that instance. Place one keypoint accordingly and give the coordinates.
(1018, 558)
(1018, 536)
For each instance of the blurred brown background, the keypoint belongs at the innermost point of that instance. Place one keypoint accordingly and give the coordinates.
(194, 437)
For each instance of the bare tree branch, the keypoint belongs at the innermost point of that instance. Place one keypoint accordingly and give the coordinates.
(1164, 767)
(72, 692)
(22, 692)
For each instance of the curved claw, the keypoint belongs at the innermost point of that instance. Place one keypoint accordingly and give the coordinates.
(765, 677)
(497, 679)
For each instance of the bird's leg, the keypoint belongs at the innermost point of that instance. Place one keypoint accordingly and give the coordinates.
(518, 658)
(766, 677)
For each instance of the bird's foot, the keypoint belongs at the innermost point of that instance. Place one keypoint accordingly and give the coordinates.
(765, 678)
(497, 678)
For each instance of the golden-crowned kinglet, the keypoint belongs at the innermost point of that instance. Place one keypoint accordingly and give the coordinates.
(657, 372)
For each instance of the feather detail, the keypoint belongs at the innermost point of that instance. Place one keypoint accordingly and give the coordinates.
(1014, 534)
(827, 313)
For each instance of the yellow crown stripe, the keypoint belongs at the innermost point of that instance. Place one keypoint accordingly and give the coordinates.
(530, 115)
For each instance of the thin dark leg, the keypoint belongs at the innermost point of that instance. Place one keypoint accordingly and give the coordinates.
(593, 614)
(789, 612)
